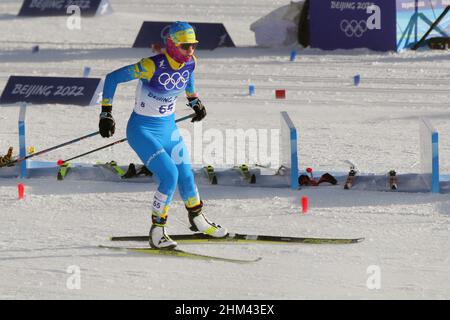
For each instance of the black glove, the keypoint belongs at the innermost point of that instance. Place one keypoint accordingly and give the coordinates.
(107, 125)
(199, 108)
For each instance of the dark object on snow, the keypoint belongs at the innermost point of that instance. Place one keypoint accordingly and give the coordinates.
(326, 177)
(432, 27)
(303, 25)
(440, 43)
(393, 180)
(132, 172)
(304, 180)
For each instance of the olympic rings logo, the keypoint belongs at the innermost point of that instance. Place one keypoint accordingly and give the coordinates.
(176, 80)
(354, 28)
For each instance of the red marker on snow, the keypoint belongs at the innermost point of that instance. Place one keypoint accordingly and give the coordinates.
(21, 190)
(60, 162)
(280, 94)
(309, 170)
(304, 204)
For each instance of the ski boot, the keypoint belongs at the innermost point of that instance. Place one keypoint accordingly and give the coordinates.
(304, 180)
(326, 177)
(159, 239)
(200, 223)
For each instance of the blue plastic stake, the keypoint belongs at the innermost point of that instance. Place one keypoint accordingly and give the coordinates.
(357, 80)
(86, 72)
(293, 55)
(22, 141)
(251, 90)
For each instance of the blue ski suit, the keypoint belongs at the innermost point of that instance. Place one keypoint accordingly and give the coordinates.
(151, 129)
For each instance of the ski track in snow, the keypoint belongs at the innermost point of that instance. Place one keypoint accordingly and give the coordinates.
(59, 225)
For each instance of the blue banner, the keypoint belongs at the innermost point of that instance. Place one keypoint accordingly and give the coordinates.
(44, 90)
(209, 35)
(347, 24)
(43, 8)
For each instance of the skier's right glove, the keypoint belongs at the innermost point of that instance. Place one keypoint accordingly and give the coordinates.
(107, 125)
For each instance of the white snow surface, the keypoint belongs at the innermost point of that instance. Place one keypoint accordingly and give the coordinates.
(59, 225)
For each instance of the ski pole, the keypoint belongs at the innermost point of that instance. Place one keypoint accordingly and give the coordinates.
(61, 162)
(53, 148)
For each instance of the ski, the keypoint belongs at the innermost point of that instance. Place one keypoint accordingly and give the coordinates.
(179, 253)
(212, 177)
(63, 170)
(112, 166)
(282, 171)
(245, 173)
(244, 238)
(393, 180)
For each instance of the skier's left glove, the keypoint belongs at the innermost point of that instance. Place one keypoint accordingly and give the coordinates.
(199, 108)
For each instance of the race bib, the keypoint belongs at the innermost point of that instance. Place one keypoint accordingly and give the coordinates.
(153, 105)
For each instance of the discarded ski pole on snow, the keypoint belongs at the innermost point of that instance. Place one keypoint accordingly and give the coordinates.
(52, 148)
(61, 162)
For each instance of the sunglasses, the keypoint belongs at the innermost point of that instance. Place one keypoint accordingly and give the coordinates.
(186, 46)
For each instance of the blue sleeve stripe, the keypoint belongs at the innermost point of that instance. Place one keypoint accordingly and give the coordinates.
(190, 88)
(121, 75)
(141, 69)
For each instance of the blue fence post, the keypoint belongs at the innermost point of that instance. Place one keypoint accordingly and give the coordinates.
(435, 183)
(22, 141)
(292, 131)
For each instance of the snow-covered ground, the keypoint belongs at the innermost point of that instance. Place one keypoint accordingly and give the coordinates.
(58, 226)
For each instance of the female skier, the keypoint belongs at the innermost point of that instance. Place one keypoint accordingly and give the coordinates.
(153, 134)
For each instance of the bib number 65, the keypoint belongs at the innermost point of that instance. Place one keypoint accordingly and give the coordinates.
(164, 108)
